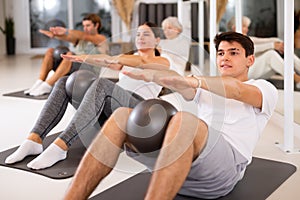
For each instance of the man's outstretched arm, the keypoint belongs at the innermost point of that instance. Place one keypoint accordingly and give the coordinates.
(225, 86)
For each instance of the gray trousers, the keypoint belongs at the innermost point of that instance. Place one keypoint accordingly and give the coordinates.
(99, 102)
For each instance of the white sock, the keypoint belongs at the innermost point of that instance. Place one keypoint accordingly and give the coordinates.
(43, 88)
(28, 147)
(49, 157)
(34, 86)
(298, 85)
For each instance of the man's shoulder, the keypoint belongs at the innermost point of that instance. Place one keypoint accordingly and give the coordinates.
(263, 84)
(258, 81)
(266, 88)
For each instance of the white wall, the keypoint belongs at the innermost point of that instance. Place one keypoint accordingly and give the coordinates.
(22, 26)
(19, 10)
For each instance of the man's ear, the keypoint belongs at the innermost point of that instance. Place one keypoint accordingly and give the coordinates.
(250, 60)
(97, 25)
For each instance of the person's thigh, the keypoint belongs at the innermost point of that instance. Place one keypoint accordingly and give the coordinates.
(216, 171)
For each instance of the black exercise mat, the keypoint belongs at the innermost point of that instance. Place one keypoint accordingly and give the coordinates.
(61, 170)
(21, 94)
(261, 179)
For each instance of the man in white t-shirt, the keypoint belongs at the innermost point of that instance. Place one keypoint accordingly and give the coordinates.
(202, 156)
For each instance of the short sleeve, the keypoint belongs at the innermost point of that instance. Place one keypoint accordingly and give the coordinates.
(269, 94)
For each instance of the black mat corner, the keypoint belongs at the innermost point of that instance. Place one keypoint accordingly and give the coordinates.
(261, 179)
(61, 170)
(21, 94)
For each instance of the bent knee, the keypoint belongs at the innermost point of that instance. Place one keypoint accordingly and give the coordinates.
(120, 117)
(61, 82)
(189, 124)
(65, 64)
(49, 52)
(122, 111)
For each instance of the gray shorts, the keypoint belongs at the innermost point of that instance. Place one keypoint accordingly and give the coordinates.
(213, 174)
(216, 171)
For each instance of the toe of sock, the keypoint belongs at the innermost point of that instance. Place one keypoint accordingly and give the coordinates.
(9, 160)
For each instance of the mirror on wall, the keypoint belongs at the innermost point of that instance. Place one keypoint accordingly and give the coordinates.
(47, 13)
(263, 15)
(43, 15)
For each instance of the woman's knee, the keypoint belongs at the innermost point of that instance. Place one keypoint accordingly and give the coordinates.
(61, 82)
(103, 81)
(103, 85)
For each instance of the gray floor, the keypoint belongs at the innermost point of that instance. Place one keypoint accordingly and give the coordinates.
(18, 115)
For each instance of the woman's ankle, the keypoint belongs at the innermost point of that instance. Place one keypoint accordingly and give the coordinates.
(61, 144)
(35, 138)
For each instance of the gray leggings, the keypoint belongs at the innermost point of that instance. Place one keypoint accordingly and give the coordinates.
(101, 99)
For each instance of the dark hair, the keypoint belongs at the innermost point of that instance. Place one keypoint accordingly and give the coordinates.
(154, 27)
(243, 40)
(94, 18)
